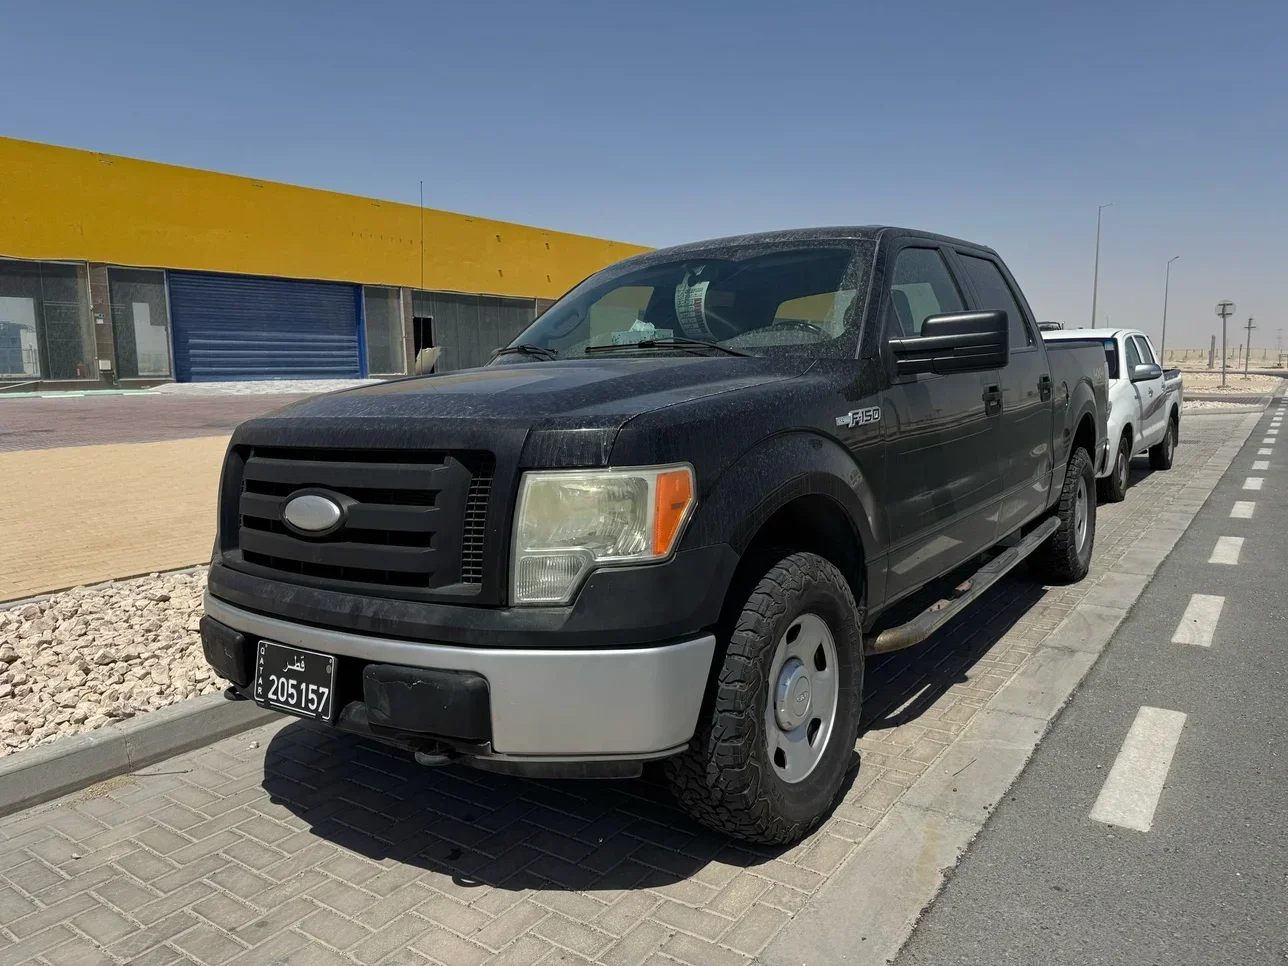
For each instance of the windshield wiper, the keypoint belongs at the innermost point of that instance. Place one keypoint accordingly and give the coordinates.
(671, 343)
(527, 349)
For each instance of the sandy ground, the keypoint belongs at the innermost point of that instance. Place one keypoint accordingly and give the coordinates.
(1207, 381)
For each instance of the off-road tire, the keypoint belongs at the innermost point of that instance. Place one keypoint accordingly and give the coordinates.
(1113, 488)
(725, 780)
(1060, 560)
(1160, 456)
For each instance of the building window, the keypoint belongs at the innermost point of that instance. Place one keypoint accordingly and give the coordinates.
(383, 308)
(140, 322)
(45, 326)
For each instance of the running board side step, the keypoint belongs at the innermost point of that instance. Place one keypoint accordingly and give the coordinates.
(964, 594)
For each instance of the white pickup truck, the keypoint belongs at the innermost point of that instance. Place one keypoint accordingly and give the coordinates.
(1145, 405)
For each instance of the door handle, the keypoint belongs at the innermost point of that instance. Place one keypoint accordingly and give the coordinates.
(1044, 386)
(992, 400)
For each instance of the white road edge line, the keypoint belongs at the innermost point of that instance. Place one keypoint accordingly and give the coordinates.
(1198, 623)
(1242, 509)
(1253, 482)
(1135, 783)
(1261, 464)
(1226, 551)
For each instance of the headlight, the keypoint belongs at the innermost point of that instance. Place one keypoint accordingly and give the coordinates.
(570, 521)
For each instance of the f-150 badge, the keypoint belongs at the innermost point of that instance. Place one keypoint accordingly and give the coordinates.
(860, 417)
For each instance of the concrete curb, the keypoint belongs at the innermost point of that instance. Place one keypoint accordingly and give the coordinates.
(866, 912)
(39, 774)
(44, 595)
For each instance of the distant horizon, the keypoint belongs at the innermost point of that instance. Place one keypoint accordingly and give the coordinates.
(660, 124)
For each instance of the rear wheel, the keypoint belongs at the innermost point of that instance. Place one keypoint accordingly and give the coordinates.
(769, 757)
(1065, 557)
(1113, 488)
(1161, 456)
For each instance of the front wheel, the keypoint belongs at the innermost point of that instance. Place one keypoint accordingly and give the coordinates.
(1065, 557)
(1161, 456)
(770, 756)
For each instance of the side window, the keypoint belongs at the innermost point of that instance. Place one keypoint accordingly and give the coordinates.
(1146, 353)
(995, 294)
(921, 287)
(1133, 356)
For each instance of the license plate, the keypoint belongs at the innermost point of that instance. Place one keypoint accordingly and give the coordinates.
(296, 681)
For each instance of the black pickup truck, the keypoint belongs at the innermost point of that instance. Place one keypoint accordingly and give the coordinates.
(668, 521)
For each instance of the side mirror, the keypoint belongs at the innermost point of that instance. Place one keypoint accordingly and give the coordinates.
(1145, 372)
(957, 342)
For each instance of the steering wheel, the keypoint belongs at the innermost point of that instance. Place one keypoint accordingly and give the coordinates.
(803, 325)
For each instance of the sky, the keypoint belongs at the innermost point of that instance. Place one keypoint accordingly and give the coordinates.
(665, 122)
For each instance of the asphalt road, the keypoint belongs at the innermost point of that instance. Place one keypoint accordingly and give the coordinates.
(1208, 882)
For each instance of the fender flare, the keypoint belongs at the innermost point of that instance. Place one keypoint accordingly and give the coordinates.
(753, 488)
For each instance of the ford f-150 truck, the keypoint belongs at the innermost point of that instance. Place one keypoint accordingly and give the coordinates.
(668, 522)
(1145, 403)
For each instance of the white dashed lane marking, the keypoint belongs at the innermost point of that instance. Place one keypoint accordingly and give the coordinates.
(1242, 509)
(1268, 441)
(1253, 482)
(1198, 623)
(1265, 452)
(1226, 551)
(1131, 792)
(1261, 464)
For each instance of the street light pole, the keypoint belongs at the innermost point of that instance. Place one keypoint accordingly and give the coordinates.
(1224, 309)
(1162, 344)
(1248, 354)
(1095, 278)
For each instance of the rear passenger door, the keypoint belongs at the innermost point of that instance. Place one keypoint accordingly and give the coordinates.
(942, 475)
(1025, 438)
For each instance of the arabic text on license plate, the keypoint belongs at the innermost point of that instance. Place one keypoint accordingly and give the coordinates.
(290, 679)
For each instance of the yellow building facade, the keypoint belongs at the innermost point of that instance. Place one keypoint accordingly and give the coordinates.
(114, 270)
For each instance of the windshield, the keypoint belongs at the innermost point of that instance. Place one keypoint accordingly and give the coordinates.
(803, 301)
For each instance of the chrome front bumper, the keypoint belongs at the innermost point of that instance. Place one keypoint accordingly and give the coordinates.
(546, 705)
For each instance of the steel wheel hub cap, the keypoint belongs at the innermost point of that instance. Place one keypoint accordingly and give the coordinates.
(801, 705)
(1080, 514)
(792, 702)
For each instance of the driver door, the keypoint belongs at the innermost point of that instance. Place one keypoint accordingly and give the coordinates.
(943, 481)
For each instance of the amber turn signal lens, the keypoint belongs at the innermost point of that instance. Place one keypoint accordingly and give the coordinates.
(672, 496)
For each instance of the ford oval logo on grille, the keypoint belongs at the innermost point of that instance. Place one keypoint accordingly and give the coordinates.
(312, 513)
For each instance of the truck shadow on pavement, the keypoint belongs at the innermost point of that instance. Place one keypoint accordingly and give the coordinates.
(468, 829)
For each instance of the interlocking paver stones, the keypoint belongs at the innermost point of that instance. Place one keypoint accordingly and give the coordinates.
(318, 847)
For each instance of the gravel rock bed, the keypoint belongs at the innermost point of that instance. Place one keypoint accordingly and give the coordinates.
(90, 656)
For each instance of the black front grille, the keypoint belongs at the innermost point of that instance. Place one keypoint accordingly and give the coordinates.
(475, 527)
(412, 520)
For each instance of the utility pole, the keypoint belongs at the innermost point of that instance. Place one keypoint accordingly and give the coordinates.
(1095, 278)
(1279, 347)
(1248, 355)
(1224, 309)
(1162, 343)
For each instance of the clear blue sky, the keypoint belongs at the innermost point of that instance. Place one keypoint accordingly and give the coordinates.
(663, 122)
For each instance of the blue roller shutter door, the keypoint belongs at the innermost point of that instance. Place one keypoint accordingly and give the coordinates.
(237, 327)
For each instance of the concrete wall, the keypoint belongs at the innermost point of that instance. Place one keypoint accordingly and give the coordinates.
(64, 204)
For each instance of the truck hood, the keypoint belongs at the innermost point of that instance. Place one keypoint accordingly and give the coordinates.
(576, 406)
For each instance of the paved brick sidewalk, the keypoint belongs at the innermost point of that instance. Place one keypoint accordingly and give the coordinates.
(95, 420)
(291, 845)
(85, 514)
